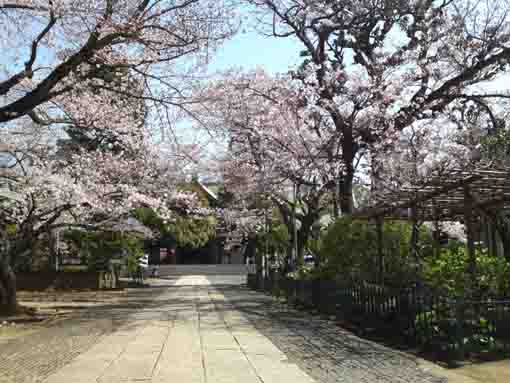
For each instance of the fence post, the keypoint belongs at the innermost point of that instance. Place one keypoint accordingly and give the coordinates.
(340, 301)
(459, 327)
(316, 294)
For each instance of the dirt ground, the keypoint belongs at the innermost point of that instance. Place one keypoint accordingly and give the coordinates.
(49, 307)
(9, 330)
(491, 372)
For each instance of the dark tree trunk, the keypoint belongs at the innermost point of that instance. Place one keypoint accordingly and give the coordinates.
(346, 190)
(8, 301)
(52, 248)
(304, 231)
(302, 237)
(20, 245)
(336, 201)
(301, 244)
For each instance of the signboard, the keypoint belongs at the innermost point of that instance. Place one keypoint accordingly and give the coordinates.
(70, 261)
(163, 253)
(168, 254)
(144, 262)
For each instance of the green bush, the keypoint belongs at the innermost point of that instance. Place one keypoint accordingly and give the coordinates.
(449, 272)
(349, 250)
(277, 242)
(303, 272)
(192, 232)
(98, 248)
(188, 231)
(132, 260)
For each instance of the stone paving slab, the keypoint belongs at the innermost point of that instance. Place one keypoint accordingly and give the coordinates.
(319, 347)
(130, 366)
(181, 358)
(200, 342)
(285, 371)
(194, 332)
(229, 366)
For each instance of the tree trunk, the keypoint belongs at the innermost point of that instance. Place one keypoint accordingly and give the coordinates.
(8, 301)
(336, 200)
(307, 220)
(52, 249)
(301, 243)
(346, 198)
(20, 245)
(302, 237)
(305, 232)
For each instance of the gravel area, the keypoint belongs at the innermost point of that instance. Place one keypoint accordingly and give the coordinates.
(325, 351)
(43, 349)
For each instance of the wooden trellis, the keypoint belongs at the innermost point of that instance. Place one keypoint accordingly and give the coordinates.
(458, 195)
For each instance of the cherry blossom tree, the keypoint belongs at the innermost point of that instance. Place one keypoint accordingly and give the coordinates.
(376, 68)
(84, 189)
(81, 86)
(54, 47)
(273, 146)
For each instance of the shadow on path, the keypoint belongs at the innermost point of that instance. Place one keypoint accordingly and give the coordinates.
(325, 351)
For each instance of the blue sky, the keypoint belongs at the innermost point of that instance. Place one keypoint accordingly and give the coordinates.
(250, 49)
(247, 50)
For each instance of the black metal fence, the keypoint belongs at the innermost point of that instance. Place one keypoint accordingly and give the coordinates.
(454, 326)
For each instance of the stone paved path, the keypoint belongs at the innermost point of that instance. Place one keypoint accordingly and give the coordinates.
(32, 358)
(322, 349)
(187, 330)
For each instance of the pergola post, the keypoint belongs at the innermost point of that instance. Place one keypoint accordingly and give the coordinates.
(380, 254)
(489, 236)
(468, 218)
(415, 233)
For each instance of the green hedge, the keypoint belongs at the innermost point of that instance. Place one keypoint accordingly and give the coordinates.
(349, 250)
(448, 272)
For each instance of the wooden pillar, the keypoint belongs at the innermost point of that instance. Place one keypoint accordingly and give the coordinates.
(468, 218)
(259, 263)
(498, 244)
(489, 237)
(380, 252)
(415, 233)
(295, 255)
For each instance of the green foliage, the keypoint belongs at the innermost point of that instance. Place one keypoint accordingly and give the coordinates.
(98, 248)
(132, 261)
(496, 147)
(303, 272)
(150, 218)
(470, 332)
(11, 228)
(193, 187)
(449, 272)
(276, 239)
(188, 232)
(349, 250)
(192, 232)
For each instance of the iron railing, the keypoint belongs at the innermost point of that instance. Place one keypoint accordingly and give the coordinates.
(417, 315)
